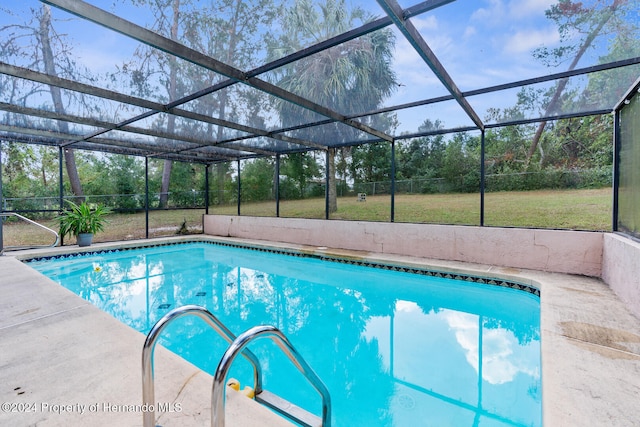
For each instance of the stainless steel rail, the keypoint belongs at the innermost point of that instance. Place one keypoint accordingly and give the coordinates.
(148, 394)
(6, 214)
(218, 393)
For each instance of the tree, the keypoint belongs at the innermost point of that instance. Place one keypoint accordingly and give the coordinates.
(17, 169)
(300, 168)
(582, 142)
(507, 147)
(127, 173)
(223, 29)
(256, 180)
(50, 68)
(229, 35)
(422, 157)
(168, 16)
(608, 87)
(37, 46)
(353, 77)
(371, 162)
(574, 18)
(460, 163)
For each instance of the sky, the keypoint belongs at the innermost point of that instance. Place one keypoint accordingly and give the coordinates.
(479, 42)
(455, 342)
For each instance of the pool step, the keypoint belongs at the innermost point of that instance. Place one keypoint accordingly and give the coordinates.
(288, 409)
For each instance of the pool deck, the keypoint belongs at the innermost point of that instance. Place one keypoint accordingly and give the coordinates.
(64, 362)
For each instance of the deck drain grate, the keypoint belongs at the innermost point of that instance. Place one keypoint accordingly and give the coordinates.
(201, 294)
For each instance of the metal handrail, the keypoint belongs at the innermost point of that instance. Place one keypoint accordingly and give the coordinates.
(5, 214)
(148, 394)
(218, 393)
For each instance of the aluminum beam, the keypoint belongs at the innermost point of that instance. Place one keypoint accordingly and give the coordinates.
(154, 107)
(406, 27)
(145, 148)
(34, 112)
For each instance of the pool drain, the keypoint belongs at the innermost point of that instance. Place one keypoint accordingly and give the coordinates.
(405, 401)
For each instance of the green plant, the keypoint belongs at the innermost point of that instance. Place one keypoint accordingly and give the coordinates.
(82, 219)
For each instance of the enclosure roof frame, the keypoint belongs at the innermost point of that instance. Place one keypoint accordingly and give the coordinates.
(174, 146)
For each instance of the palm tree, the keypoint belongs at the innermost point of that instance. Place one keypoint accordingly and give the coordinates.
(350, 78)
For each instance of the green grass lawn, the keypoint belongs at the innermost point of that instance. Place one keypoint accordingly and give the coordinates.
(571, 209)
(565, 209)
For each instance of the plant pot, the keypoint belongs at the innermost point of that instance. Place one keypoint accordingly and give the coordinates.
(84, 239)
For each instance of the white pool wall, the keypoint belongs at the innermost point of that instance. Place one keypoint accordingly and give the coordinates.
(621, 269)
(614, 258)
(545, 250)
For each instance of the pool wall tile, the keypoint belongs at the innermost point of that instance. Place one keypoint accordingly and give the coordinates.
(326, 257)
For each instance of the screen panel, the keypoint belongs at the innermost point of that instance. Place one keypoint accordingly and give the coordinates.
(629, 168)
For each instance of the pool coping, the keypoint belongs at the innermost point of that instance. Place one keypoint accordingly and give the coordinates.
(590, 359)
(319, 253)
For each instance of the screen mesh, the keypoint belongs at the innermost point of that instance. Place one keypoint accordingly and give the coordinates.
(629, 168)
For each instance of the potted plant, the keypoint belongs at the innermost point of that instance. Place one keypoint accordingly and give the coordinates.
(82, 221)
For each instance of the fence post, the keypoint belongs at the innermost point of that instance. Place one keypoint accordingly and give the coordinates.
(146, 197)
(326, 185)
(482, 177)
(60, 186)
(1, 205)
(206, 188)
(239, 187)
(616, 169)
(393, 180)
(277, 185)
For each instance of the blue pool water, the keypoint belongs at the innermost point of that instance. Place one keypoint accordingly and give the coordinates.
(394, 348)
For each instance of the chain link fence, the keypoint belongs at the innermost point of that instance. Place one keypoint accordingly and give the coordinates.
(115, 202)
(195, 199)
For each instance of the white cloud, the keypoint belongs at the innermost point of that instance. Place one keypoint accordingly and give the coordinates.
(407, 306)
(519, 9)
(404, 54)
(526, 40)
(422, 23)
(411, 70)
(487, 74)
(470, 31)
(497, 12)
(492, 14)
(502, 357)
(438, 39)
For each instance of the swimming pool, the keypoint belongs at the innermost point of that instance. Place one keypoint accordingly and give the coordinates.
(395, 348)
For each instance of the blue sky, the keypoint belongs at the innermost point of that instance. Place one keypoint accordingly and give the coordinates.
(480, 43)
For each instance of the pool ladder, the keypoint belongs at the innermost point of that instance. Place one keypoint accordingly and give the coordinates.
(237, 345)
(47, 229)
